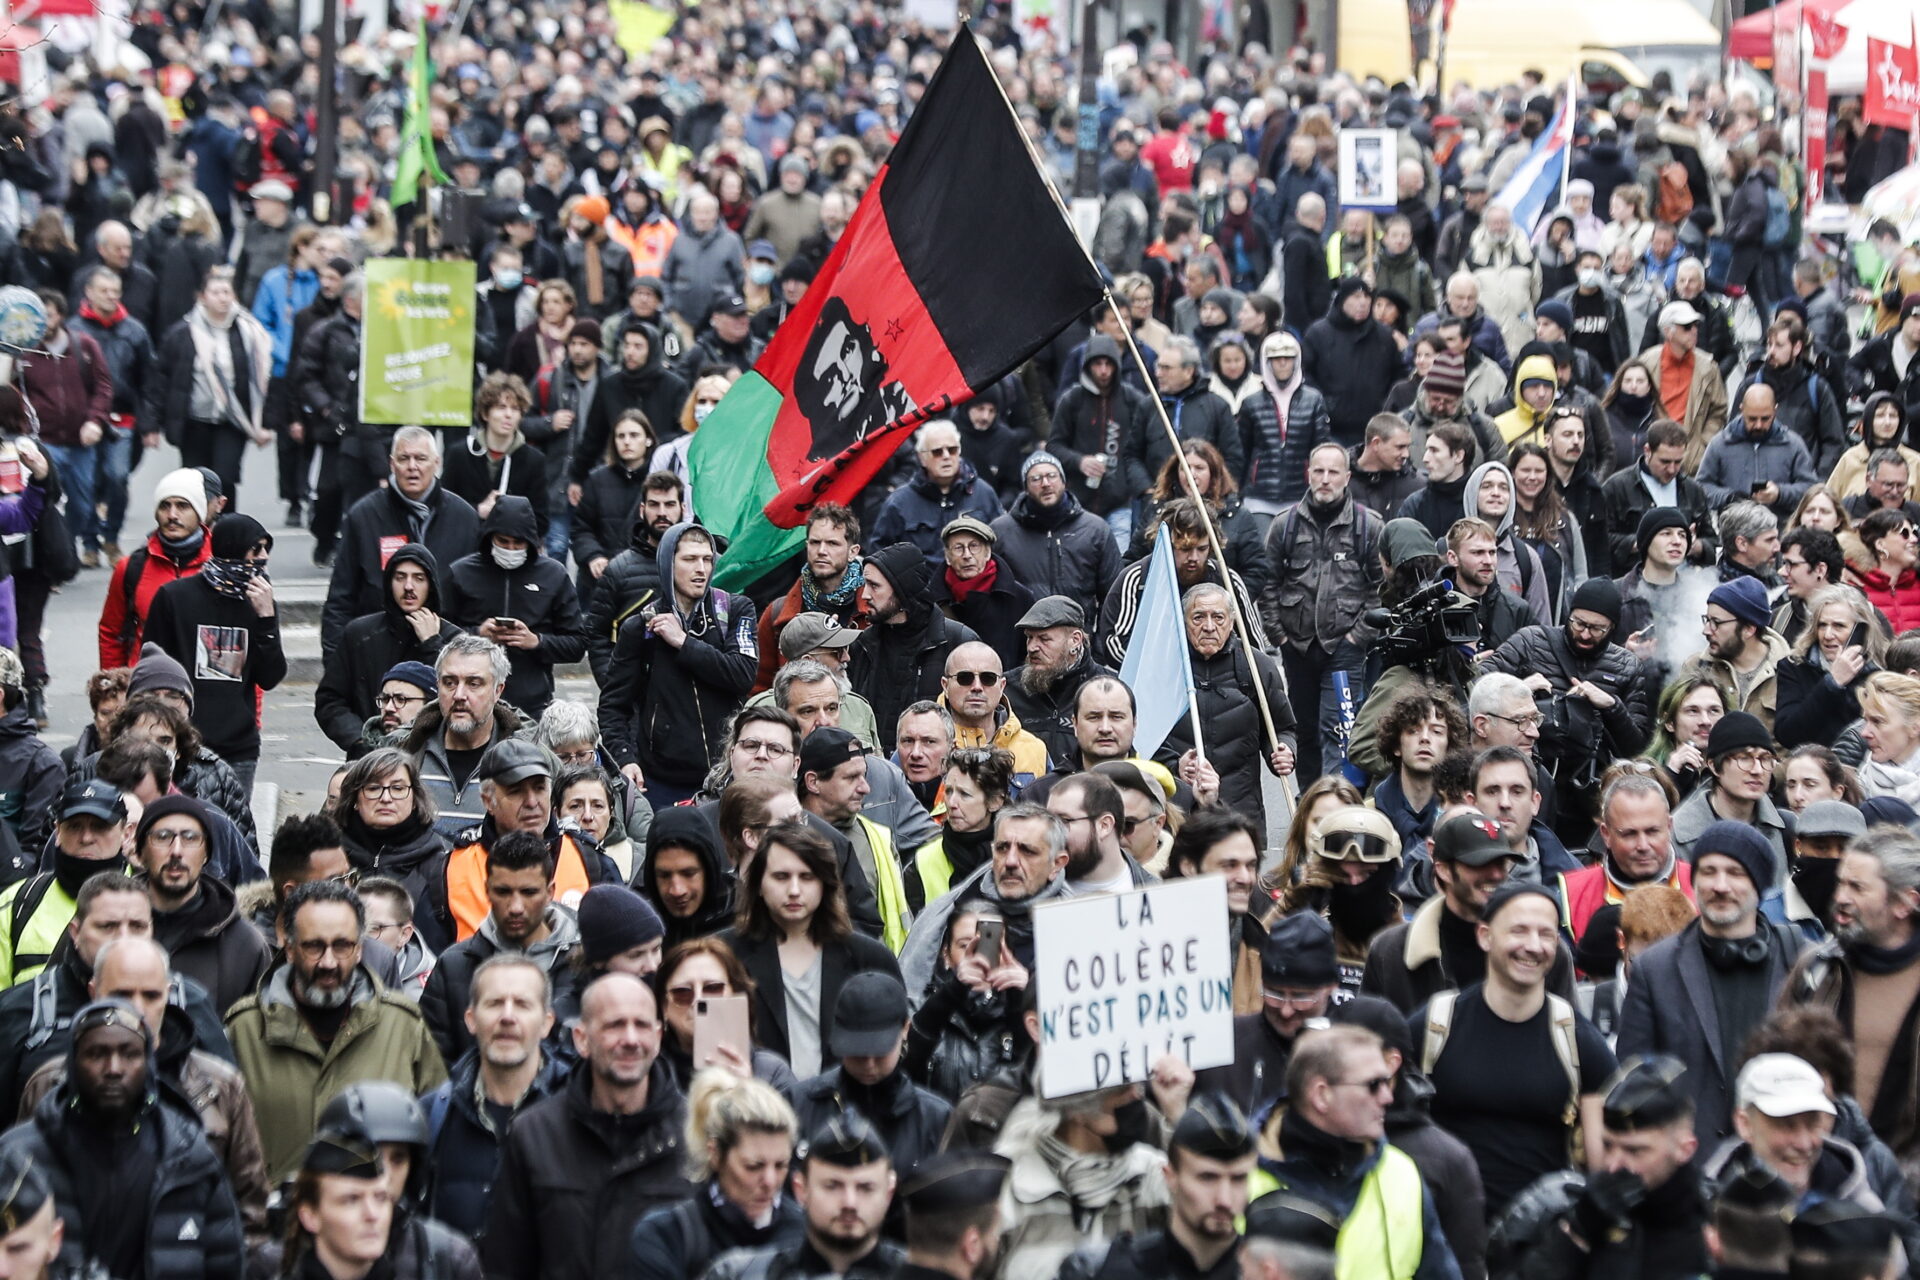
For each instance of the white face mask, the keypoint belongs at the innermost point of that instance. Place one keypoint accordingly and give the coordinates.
(700, 412)
(509, 559)
(1590, 278)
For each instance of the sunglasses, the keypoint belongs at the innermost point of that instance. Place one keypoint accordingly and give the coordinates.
(966, 679)
(684, 995)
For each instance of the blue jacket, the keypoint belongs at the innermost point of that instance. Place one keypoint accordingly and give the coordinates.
(463, 1148)
(282, 295)
(917, 511)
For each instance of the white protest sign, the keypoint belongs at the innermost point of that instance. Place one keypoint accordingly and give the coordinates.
(1123, 978)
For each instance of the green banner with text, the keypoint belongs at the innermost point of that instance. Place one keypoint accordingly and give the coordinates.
(416, 347)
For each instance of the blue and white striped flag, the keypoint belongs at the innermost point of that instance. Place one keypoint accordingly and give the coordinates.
(1533, 190)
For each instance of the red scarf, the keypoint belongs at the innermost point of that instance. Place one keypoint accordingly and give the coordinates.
(982, 581)
(119, 314)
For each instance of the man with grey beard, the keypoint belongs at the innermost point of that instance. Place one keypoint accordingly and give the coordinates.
(321, 1022)
(1059, 661)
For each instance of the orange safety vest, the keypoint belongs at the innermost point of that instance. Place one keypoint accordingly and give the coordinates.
(467, 883)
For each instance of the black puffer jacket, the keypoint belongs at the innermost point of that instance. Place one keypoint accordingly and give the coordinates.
(31, 778)
(326, 379)
(370, 647)
(538, 593)
(894, 664)
(631, 580)
(909, 1118)
(573, 1182)
(653, 388)
(1235, 738)
(1277, 468)
(193, 1229)
(666, 708)
(1059, 550)
(471, 472)
(375, 527)
(687, 828)
(1352, 363)
(407, 853)
(1574, 727)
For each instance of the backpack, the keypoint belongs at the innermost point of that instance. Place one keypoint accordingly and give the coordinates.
(1779, 219)
(1562, 1031)
(246, 159)
(1673, 197)
(136, 568)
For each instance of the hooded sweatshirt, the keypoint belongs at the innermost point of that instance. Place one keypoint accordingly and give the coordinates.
(1529, 579)
(666, 708)
(373, 645)
(687, 828)
(538, 593)
(1521, 422)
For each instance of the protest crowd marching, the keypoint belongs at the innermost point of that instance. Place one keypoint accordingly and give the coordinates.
(1348, 706)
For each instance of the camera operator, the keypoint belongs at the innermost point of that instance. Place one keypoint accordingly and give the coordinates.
(1595, 706)
(1424, 631)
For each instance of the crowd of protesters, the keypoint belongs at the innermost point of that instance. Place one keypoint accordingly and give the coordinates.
(1564, 579)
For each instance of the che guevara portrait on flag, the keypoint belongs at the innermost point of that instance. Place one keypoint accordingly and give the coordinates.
(840, 385)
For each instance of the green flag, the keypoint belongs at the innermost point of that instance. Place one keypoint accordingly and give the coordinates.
(416, 135)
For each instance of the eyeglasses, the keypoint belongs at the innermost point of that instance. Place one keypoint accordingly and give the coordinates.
(1590, 628)
(683, 995)
(398, 699)
(314, 948)
(1792, 564)
(1712, 623)
(1532, 720)
(380, 790)
(942, 451)
(1293, 999)
(1132, 825)
(585, 755)
(761, 747)
(965, 679)
(1375, 1085)
(1752, 759)
(185, 839)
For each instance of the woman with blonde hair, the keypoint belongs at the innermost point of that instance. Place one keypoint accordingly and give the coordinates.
(1817, 690)
(1890, 726)
(709, 389)
(740, 1138)
(543, 344)
(1137, 289)
(1821, 507)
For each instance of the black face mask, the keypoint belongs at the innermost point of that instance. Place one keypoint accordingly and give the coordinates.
(1361, 910)
(1130, 1127)
(1634, 406)
(1531, 128)
(1815, 879)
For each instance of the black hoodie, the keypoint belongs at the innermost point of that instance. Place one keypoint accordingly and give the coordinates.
(538, 594)
(603, 518)
(685, 827)
(371, 646)
(653, 388)
(631, 580)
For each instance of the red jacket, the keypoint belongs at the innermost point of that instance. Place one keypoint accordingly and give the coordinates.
(1900, 601)
(1590, 888)
(120, 636)
(68, 392)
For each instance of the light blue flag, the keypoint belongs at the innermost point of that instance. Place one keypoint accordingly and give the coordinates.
(1158, 668)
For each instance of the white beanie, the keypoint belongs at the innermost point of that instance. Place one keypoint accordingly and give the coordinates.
(185, 483)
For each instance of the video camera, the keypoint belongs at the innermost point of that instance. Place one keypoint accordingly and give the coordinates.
(1426, 630)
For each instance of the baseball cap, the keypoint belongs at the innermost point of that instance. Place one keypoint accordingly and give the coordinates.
(1781, 1085)
(827, 748)
(809, 631)
(272, 189)
(1678, 312)
(94, 799)
(868, 1017)
(515, 761)
(763, 249)
(1472, 839)
(730, 305)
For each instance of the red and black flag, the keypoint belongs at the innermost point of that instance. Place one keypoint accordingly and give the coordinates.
(957, 265)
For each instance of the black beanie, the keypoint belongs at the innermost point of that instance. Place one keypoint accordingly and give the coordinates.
(1598, 595)
(1656, 519)
(235, 534)
(905, 568)
(615, 919)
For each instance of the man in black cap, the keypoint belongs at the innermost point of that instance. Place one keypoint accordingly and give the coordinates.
(1298, 974)
(343, 1208)
(1514, 1068)
(136, 1186)
(1595, 685)
(1045, 691)
(1643, 1207)
(867, 1033)
(843, 1181)
(221, 625)
(1837, 1240)
(953, 1217)
(1748, 1225)
(1439, 949)
(901, 658)
(90, 837)
(1328, 1146)
(1651, 588)
(833, 787)
(1210, 1159)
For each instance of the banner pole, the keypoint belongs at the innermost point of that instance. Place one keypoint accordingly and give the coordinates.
(1213, 533)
